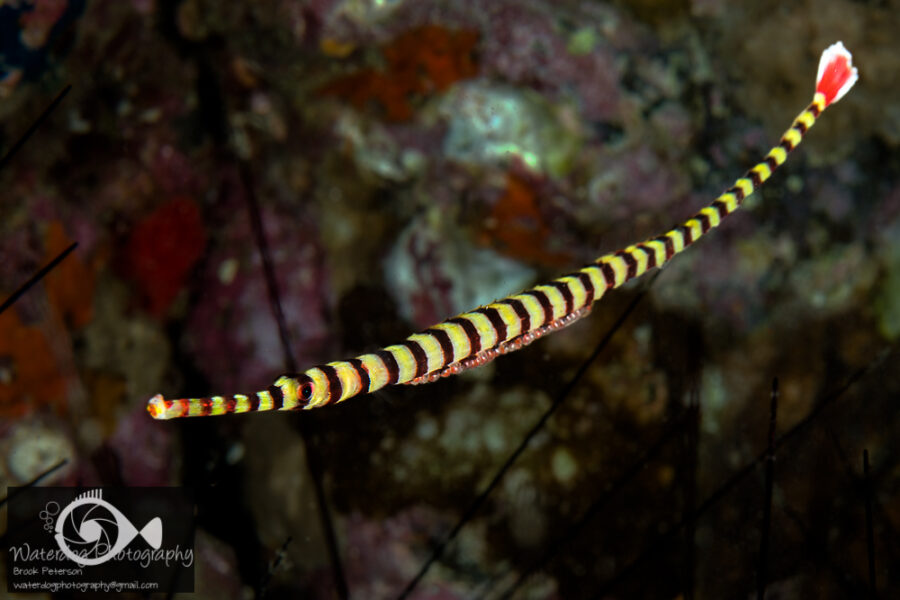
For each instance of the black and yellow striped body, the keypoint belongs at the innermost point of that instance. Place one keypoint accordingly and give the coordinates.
(461, 337)
(496, 326)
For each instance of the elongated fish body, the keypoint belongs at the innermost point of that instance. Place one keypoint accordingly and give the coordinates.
(478, 336)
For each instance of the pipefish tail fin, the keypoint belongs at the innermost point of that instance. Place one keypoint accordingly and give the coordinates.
(836, 73)
(478, 336)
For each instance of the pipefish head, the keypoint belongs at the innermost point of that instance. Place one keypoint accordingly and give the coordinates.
(310, 388)
(291, 392)
(300, 391)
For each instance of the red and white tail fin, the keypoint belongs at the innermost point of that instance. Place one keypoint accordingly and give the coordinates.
(836, 73)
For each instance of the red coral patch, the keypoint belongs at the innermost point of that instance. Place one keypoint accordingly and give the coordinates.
(163, 249)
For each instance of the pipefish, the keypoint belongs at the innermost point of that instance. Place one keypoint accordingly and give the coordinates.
(476, 337)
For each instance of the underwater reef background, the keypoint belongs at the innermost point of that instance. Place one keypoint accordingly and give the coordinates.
(394, 162)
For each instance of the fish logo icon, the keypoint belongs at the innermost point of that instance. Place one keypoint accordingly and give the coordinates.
(91, 531)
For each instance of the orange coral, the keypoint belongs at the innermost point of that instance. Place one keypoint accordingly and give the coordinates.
(70, 286)
(30, 374)
(516, 223)
(420, 62)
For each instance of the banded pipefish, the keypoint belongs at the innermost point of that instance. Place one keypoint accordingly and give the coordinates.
(478, 336)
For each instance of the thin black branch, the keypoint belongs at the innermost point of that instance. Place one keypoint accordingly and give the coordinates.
(268, 268)
(34, 481)
(660, 542)
(279, 556)
(37, 123)
(313, 459)
(36, 277)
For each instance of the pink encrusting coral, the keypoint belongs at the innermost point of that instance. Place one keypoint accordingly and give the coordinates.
(525, 48)
(384, 554)
(144, 453)
(232, 322)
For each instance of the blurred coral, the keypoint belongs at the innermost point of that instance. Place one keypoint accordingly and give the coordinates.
(217, 570)
(494, 124)
(525, 47)
(30, 447)
(27, 30)
(147, 454)
(37, 23)
(231, 330)
(518, 226)
(162, 250)
(29, 374)
(434, 271)
(70, 286)
(383, 554)
(420, 62)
